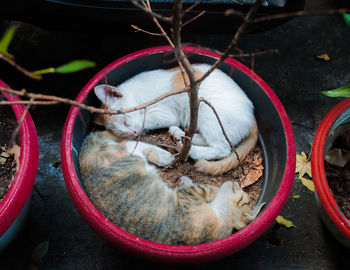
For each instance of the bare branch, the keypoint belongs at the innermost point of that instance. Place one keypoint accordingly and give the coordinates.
(193, 19)
(20, 68)
(201, 99)
(230, 12)
(55, 100)
(301, 13)
(150, 12)
(192, 6)
(20, 122)
(234, 41)
(140, 132)
(35, 102)
(138, 29)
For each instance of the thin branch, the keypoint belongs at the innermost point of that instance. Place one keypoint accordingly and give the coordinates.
(35, 102)
(140, 132)
(301, 13)
(20, 122)
(201, 99)
(151, 13)
(229, 12)
(234, 41)
(147, 5)
(24, 93)
(192, 6)
(20, 68)
(193, 19)
(138, 29)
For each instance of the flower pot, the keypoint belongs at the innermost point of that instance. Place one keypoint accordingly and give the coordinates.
(330, 212)
(276, 138)
(15, 205)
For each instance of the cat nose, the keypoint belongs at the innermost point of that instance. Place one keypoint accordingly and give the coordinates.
(135, 134)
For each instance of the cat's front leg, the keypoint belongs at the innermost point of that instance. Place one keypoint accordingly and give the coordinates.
(150, 152)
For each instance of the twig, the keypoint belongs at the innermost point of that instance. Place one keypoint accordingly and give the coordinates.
(20, 68)
(192, 6)
(229, 12)
(247, 19)
(193, 19)
(151, 13)
(140, 132)
(138, 29)
(92, 109)
(301, 13)
(35, 102)
(20, 122)
(201, 99)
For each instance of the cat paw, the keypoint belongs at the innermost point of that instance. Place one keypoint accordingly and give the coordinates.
(185, 181)
(158, 157)
(176, 132)
(165, 159)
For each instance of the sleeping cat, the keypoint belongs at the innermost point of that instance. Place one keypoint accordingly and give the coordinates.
(231, 103)
(129, 191)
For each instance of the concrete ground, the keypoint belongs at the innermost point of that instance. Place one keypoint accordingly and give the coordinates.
(296, 76)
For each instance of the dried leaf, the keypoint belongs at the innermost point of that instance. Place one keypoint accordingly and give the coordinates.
(303, 165)
(285, 222)
(2, 160)
(5, 155)
(296, 196)
(324, 57)
(255, 172)
(337, 157)
(40, 251)
(16, 151)
(308, 183)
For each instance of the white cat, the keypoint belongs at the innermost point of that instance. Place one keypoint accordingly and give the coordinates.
(234, 108)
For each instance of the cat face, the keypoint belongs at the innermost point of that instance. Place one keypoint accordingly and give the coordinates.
(127, 125)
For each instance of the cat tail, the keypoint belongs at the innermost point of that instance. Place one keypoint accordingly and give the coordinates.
(221, 166)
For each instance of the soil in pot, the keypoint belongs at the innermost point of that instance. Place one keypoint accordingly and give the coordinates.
(251, 181)
(8, 161)
(337, 166)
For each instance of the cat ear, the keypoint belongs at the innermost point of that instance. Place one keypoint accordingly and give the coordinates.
(107, 94)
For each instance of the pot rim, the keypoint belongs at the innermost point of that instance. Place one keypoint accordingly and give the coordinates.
(172, 253)
(23, 182)
(318, 170)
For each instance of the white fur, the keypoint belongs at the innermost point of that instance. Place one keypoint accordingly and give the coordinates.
(231, 103)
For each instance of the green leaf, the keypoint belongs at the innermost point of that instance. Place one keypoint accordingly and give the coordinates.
(285, 222)
(6, 40)
(40, 251)
(347, 18)
(343, 91)
(75, 66)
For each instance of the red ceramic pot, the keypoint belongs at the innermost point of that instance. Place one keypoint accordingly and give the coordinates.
(15, 204)
(330, 212)
(276, 138)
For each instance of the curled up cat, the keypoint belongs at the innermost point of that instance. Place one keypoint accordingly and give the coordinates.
(209, 147)
(129, 191)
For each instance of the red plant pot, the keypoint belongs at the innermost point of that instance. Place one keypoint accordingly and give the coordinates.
(276, 138)
(330, 212)
(15, 204)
